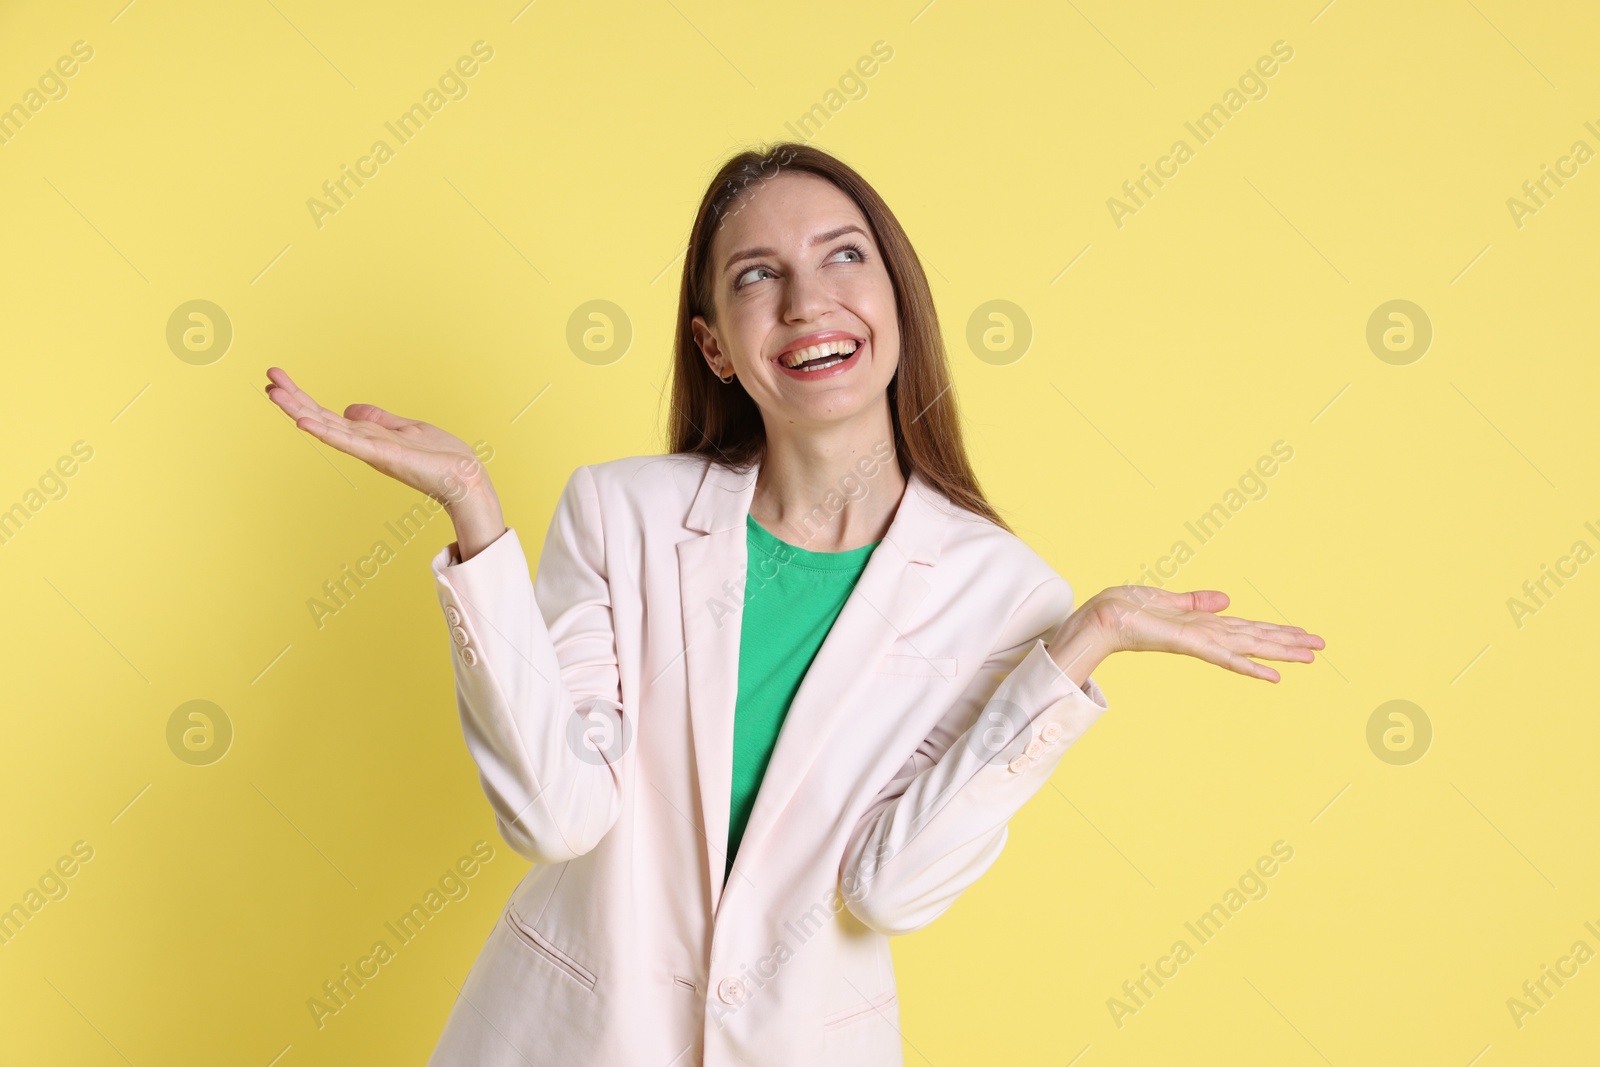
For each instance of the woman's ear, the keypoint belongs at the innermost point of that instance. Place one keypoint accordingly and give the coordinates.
(710, 348)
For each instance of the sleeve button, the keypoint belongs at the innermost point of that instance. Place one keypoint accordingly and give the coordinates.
(452, 616)
(469, 656)
(460, 636)
(1051, 731)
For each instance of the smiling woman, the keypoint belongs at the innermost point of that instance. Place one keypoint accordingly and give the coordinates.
(859, 260)
(730, 810)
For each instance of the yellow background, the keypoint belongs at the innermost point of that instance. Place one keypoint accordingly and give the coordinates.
(1228, 314)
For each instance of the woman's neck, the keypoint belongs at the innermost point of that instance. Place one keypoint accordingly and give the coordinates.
(830, 490)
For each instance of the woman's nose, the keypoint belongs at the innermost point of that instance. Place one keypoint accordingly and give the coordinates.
(805, 298)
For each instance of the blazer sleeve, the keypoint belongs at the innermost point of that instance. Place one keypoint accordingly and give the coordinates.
(537, 681)
(941, 822)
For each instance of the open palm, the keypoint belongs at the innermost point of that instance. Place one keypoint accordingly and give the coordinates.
(1143, 618)
(416, 453)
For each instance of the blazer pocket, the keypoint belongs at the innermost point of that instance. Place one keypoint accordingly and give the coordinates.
(542, 946)
(926, 666)
(860, 1011)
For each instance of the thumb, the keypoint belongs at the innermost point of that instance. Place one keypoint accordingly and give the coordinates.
(1205, 600)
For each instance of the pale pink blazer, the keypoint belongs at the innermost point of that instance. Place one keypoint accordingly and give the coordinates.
(931, 714)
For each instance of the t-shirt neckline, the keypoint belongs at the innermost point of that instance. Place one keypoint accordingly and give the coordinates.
(777, 548)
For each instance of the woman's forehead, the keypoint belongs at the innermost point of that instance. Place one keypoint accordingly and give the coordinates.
(790, 208)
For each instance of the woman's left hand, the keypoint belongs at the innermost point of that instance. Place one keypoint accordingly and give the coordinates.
(1143, 618)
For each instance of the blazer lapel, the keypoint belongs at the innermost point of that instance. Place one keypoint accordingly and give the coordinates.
(711, 570)
(881, 607)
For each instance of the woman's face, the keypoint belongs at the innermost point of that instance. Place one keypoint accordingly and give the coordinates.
(794, 265)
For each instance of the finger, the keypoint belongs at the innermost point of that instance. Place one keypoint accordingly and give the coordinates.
(1292, 638)
(1253, 645)
(372, 413)
(1292, 633)
(1299, 638)
(1212, 652)
(309, 415)
(300, 412)
(1250, 668)
(1210, 600)
(1153, 596)
(289, 404)
(361, 446)
(279, 378)
(1295, 641)
(1296, 637)
(292, 401)
(299, 402)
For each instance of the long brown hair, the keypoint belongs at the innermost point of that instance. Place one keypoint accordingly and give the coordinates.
(723, 423)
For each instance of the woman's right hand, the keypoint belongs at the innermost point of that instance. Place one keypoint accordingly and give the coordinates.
(415, 453)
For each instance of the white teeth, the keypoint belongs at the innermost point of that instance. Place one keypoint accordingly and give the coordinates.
(828, 348)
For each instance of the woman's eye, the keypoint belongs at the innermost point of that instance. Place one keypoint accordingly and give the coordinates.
(744, 279)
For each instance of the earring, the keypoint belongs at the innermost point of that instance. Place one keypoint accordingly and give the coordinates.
(726, 380)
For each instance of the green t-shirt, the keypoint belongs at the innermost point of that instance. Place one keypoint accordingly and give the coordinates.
(791, 598)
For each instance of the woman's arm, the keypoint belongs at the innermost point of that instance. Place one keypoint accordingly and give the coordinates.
(539, 702)
(941, 822)
(478, 521)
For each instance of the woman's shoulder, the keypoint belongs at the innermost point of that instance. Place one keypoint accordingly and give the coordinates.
(969, 531)
(1010, 566)
(631, 470)
(645, 483)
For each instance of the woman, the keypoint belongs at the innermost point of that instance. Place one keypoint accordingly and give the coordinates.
(814, 553)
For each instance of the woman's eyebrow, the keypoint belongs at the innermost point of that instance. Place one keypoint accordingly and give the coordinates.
(821, 238)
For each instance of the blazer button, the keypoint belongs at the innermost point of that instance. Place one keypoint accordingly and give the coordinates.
(460, 636)
(1020, 764)
(1035, 747)
(1051, 731)
(452, 616)
(469, 656)
(731, 990)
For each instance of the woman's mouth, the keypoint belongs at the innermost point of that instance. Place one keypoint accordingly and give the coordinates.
(822, 360)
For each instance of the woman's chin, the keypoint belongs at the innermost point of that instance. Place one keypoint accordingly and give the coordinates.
(836, 406)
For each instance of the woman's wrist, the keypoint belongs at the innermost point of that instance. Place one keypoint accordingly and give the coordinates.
(478, 520)
(1079, 646)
